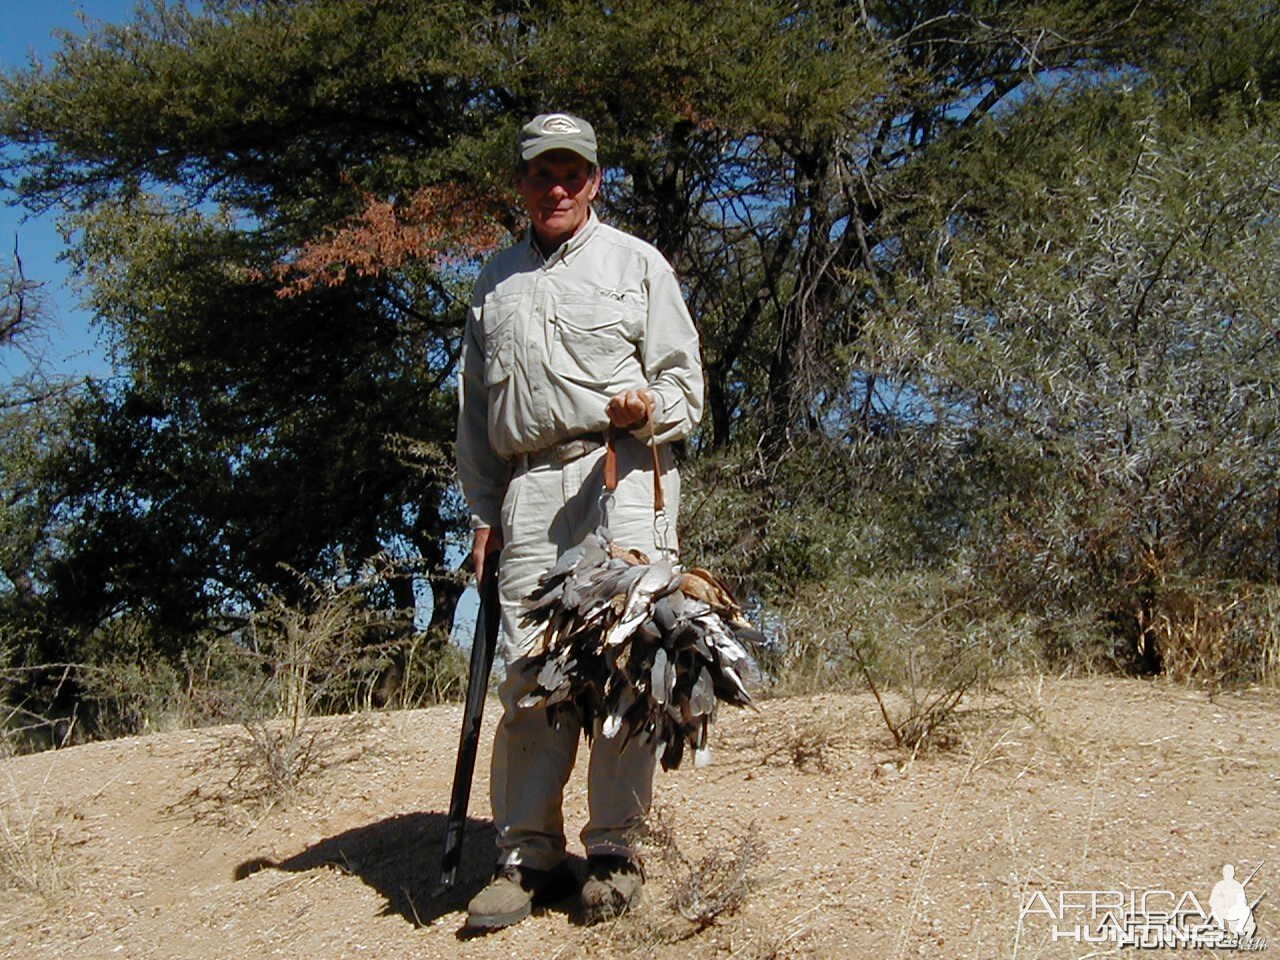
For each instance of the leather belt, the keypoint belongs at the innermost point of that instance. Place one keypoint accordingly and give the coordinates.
(563, 452)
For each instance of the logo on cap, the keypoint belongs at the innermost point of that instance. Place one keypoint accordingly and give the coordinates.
(558, 123)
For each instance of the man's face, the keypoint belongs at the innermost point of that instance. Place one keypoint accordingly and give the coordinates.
(558, 187)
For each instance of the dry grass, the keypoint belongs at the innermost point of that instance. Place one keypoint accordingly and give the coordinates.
(685, 896)
(265, 766)
(706, 890)
(810, 743)
(34, 857)
(1216, 640)
(717, 884)
(855, 867)
(271, 764)
(929, 720)
(307, 651)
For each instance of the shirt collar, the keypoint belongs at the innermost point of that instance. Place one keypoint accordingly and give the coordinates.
(570, 246)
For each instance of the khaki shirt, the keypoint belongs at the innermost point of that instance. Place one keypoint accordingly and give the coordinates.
(549, 341)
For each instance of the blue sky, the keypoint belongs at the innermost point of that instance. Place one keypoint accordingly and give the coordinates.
(26, 30)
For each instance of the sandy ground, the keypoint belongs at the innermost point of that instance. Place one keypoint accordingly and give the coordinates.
(144, 849)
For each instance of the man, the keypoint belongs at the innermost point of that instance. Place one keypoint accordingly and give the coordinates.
(576, 328)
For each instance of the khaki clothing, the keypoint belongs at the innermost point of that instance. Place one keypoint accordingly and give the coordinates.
(549, 341)
(548, 509)
(551, 507)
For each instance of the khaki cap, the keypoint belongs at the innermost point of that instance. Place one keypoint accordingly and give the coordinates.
(557, 131)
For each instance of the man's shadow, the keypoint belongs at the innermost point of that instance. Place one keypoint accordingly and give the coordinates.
(399, 858)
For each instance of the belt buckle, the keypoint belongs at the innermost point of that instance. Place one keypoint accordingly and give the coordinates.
(574, 449)
(557, 453)
(568, 450)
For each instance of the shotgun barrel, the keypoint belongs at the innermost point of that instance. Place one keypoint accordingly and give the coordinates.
(482, 649)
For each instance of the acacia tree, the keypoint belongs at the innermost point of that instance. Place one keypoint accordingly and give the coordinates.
(1109, 343)
(254, 428)
(36, 409)
(764, 148)
(281, 205)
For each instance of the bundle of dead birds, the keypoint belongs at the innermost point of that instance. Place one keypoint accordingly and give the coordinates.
(648, 648)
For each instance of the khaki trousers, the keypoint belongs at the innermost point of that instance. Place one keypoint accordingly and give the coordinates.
(549, 508)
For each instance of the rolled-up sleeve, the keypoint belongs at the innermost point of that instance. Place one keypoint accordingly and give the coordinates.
(481, 472)
(672, 360)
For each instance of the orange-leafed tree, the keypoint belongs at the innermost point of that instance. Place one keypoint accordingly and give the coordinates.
(441, 225)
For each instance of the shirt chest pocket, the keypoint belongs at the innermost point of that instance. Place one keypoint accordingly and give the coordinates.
(499, 339)
(593, 336)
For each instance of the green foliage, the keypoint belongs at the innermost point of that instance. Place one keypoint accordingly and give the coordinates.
(982, 288)
(1128, 364)
(195, 152)
(127, 683)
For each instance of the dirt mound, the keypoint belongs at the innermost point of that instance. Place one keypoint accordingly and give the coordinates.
(807, 837)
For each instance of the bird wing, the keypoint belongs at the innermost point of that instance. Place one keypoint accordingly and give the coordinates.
(657, 579)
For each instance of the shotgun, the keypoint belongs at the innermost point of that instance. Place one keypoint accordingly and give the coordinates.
(482, 647)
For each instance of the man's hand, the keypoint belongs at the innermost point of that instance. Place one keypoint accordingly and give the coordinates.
(485, 542)
(631, 408)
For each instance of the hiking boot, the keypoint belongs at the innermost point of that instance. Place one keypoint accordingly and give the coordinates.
(612, 887)
(512, 893)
